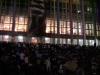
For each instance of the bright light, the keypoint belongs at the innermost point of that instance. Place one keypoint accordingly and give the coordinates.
(81, 42)
(20, 38)
(79, 25)
(74, 31)
(78, 11)
(21, 24)
(5, 23)
(21, 18)
(91, 42)
(6, 36)
(47, 29)
(69, 41)
(47, 40)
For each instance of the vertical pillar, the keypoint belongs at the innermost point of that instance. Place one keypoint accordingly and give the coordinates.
(71, 20)
(94, 11)
(83, 21)
(66, 19)
(14, 14)
(13, 24)
(58, 20)
(54, 20)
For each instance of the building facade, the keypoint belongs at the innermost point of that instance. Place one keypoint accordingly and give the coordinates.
(66, 22)
(13, 19)
(72, 22)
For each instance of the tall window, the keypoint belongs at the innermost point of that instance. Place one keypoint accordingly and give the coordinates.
(98, 30)
(21, 24)
(77, 28)
(64, 27)
(6, 23)
(89, 29)
(51, 26)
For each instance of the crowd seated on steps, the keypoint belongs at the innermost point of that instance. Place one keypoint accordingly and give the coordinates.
(48, 59)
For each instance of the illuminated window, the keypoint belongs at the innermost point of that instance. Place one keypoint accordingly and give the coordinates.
(80, 28)
(21, 24)
(98, 29)
(68, 41)
(6, 23)
(81, 42)
(68, 31)
(56, 39)
(6, 38)
(51, 26)
(75, 41)
(47, 40)
(19, 39)
(89, 30)
(62, 41)
(80, 31)
(75, 25)
(87, 42)
(62, 30)
(91, 42)
(64, 27)
(75, 31)
(77, 28)
(97, 42)
(68, 28)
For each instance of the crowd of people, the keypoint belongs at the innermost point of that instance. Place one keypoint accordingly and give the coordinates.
(48, 59)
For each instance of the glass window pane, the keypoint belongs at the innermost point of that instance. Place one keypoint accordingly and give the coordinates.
(6, 23)
(47, 40)
(75, 41)
(81, 42)
(21, 24)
